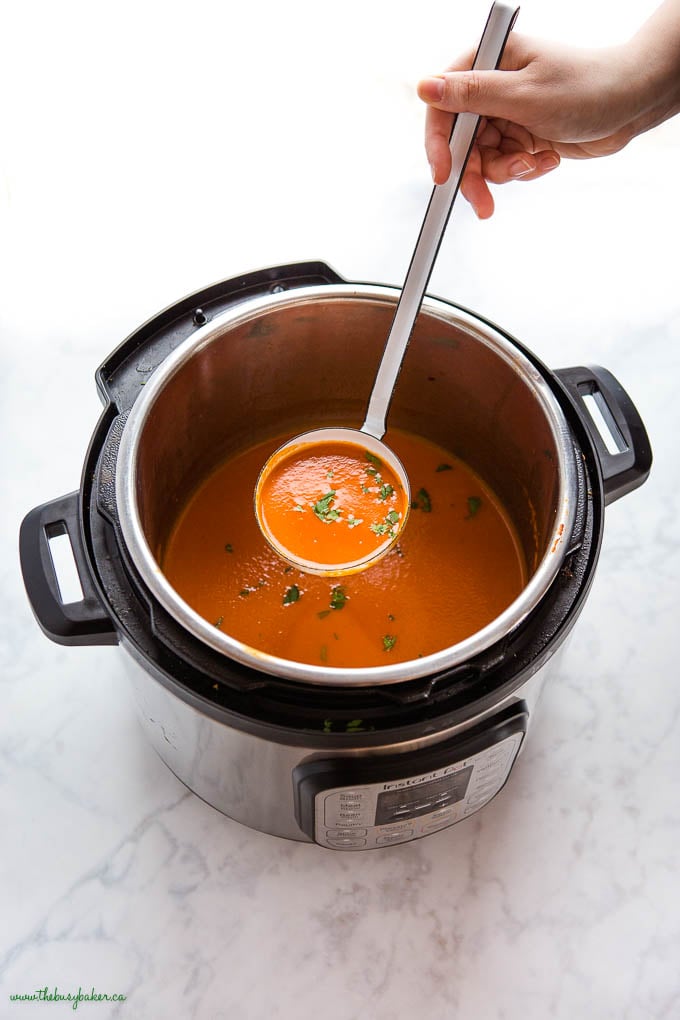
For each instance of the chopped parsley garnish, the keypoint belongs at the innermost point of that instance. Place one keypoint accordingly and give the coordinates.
(338, 597)
(422, 501)
(389, 641)
(354, 522)
(443, 467)
(323, 653)
(322, 508)
(379, 529)
(474, 503)
(386, 490)
(292, 595)
(386, 526)
(353, 725)
(376, 461)
(219, 621)
(229, 547)
(244, 593)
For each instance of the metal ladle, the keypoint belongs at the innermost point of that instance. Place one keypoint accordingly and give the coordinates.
(369, 437)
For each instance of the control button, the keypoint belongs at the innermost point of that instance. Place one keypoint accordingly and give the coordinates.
(441, 823)
(345, 842)
(442, 813)
(394, 827)
(477, 802)
(338, 833)
(394, 837)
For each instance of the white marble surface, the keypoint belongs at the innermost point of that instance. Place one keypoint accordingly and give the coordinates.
(149, 150)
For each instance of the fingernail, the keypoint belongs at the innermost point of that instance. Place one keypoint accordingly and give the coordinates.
(431, 89)
(548, 163)
(521, 167)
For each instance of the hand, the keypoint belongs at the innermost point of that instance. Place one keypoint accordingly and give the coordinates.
(547, 102)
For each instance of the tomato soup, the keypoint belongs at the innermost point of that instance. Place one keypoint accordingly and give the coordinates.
(330, 504)
(455, 567)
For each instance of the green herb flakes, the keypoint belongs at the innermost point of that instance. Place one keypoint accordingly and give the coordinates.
(324, 613)
(393, 517)
(292, 595)
(322, 508)
(443, 467)
(219, 621)
(338, 597)
(244, 593)
(376, 461)
(354, 522)
(474, 503)
(379, 529)
(323, 653)
(389, 641)
(422, 501)
(386, 491)
(353, 725)
(229, 547)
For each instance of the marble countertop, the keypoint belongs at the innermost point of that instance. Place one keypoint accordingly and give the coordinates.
(151, 151)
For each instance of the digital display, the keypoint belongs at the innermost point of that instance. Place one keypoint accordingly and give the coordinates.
(423, 798)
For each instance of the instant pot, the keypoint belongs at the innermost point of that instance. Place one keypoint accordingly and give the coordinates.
(351, 759)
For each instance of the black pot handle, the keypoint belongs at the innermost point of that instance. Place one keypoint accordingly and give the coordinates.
(84, 622)
(626, 458)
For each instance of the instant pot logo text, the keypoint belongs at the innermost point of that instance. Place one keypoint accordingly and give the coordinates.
(401, 784)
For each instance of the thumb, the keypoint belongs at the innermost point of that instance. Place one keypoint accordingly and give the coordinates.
(488, 93)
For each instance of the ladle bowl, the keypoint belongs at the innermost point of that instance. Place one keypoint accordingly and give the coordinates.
(378, 539)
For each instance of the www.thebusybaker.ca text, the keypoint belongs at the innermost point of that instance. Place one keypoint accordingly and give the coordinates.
(45, 995)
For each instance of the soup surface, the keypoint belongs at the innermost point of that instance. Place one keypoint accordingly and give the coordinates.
(330, 504)
(457, 565)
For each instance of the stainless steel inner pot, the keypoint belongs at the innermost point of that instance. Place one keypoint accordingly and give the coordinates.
(292, 361)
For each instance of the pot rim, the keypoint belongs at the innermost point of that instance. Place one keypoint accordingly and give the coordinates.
(447, 658)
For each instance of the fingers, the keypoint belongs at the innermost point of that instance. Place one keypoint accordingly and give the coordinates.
(492, 93)
(500, 167)
(476, 191)
(437, 132)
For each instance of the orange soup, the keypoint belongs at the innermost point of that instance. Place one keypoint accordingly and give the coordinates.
(455, 567)
(330, 503)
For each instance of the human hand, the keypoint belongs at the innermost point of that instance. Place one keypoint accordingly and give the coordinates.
(546, 102)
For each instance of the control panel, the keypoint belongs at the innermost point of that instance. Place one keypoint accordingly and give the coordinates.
(363, 803)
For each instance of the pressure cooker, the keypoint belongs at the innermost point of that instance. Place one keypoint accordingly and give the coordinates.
(349, 758)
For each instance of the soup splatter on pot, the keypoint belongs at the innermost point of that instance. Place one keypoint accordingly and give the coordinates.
(457, 565)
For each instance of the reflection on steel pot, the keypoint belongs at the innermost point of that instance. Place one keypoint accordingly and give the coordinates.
(350, 758)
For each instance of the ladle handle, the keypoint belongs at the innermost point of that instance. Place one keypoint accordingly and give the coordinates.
(498, 27)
